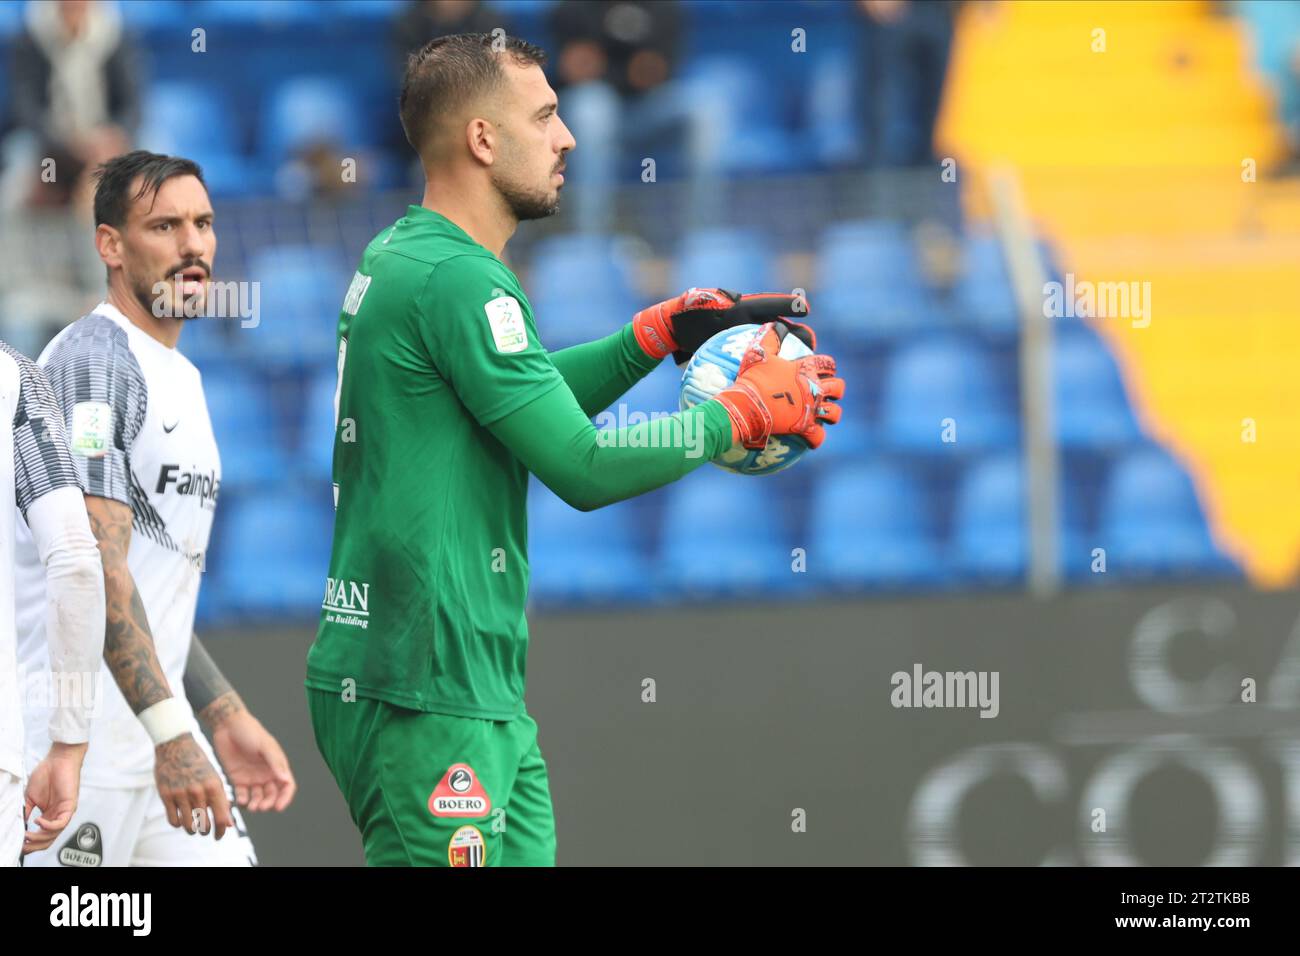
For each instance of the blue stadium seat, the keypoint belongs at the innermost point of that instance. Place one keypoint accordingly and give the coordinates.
(308, 109)
(581, 287)
(370, 9)
(734, 259)
(1091, 409)
(990, 533)
(209, 344)
(276, 549)
(983, 293)
(835, 129)
(154, 14)
(301, 291)
(170, 127)
(1151, 522)
(171, 110)
(757, 141)
(264, 13)
(244, 418)
(871, 528)
(932, 380)
(722, 536)
(869, 284)
(316, 435)
(577, 557)
(657, 392)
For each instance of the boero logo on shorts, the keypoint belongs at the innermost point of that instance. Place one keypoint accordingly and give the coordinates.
(459, 794)
(84, 848)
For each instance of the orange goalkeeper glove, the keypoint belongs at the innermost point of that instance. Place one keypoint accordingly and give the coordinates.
(682, 324)
(776, 396)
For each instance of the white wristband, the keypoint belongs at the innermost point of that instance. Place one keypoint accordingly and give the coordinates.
(166, 720)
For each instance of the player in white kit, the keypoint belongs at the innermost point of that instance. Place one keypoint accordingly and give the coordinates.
(39, 487)
(142, 442)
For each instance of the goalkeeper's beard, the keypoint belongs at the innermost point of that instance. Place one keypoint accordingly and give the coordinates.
(524, 204)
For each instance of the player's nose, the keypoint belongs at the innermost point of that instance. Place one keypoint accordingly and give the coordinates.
(190, 241)
(566, 142)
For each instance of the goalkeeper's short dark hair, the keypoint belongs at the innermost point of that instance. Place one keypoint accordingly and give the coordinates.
(453, 69)
(113, 181)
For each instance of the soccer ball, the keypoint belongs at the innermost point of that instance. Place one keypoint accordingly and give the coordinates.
(713, 368)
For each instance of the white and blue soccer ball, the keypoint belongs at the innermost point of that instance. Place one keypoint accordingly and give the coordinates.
(713, 368)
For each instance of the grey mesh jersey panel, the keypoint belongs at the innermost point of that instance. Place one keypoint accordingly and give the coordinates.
(42, 461)
(93, 362)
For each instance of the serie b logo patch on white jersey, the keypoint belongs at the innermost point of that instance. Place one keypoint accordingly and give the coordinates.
(92, 429)
(506, 318)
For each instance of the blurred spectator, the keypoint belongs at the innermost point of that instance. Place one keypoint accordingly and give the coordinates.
(615, 66)
(74, 91)
(906, 48)
(426, 20)
(74, 102)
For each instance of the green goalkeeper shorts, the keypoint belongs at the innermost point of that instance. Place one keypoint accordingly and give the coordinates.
(435, 790)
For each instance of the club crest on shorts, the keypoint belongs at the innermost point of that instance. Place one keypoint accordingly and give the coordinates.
(466, 847)
(459, 794)
(85, 848)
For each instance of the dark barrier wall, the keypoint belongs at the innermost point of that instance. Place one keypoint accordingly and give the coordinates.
(769, 735)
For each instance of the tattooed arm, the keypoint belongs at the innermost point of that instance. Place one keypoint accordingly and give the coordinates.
(187, 782)
(253, 759)
(207, 689)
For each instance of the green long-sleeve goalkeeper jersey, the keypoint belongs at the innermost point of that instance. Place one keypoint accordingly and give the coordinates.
(446, 400)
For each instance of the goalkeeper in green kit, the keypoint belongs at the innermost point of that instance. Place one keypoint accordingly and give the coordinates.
(446, 401)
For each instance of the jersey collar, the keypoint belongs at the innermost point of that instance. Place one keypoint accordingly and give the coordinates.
(137, 334)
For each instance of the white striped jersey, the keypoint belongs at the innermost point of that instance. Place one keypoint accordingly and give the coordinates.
(34, 460)
(139, 433)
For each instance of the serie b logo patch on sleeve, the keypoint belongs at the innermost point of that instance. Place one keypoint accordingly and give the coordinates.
(506, 319)
(92, 429)
(459, 794)
(467, 847)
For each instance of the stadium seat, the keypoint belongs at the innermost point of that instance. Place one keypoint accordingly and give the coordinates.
(581, 288)
(734, 259)
(748, 114)
(983, 294)
(154, 14)
(835, 129)
(275, 555)
(1151, 521)
(657, 392)
(577, 557)
(316, 432)
(721, 536)
(170, 109)
(869, 284)
(263, 13)
(371, 9)
(933, 381)
(209, 344)
(301, 292)
(310, 109)
(1091, 409)
(243, 411)
(871, 527)
(990, 528)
